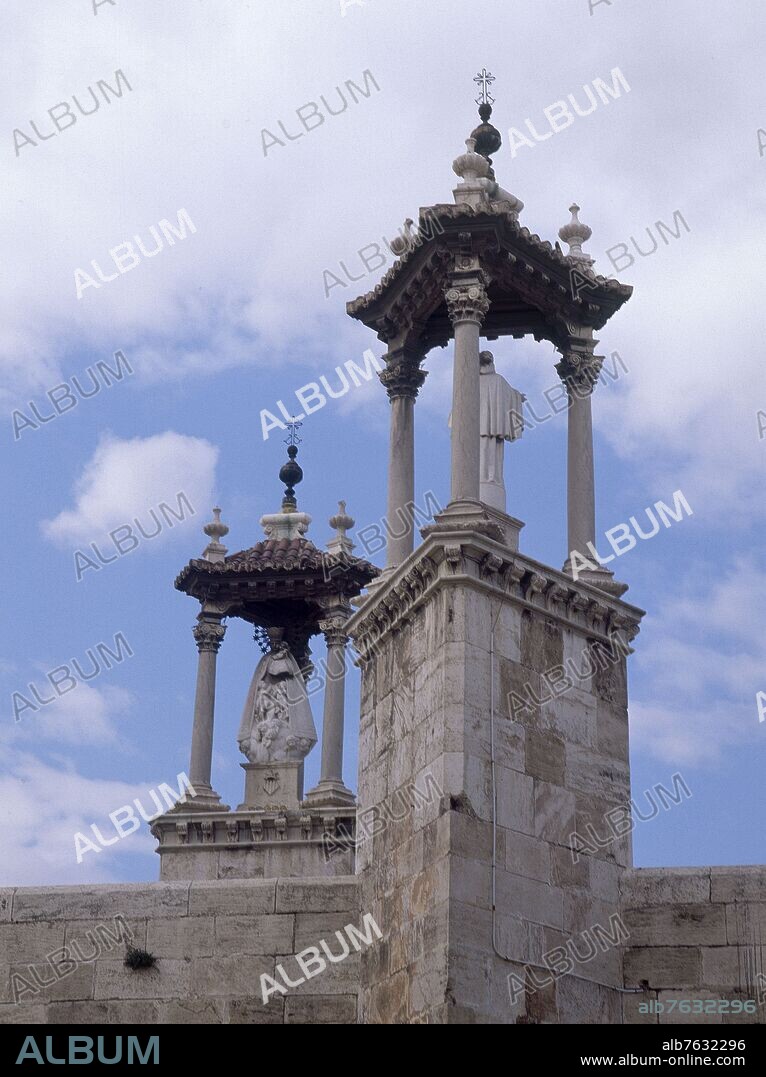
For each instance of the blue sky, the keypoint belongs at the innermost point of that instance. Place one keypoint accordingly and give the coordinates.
(232, 318)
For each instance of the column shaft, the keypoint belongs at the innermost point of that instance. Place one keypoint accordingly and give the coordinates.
(581, 500)
(466, 396)
(402, 379)
(330, 792)
(467, 306)
(333, 717)
(401, 481)
(200, 767)
(208, 633)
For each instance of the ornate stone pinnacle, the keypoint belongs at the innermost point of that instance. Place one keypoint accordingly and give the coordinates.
(340, 544)
(402, 379)
(341, 522)
(215, 530)
(471, 165)
(575, 233)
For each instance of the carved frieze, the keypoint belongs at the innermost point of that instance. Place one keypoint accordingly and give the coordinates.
(530, 584)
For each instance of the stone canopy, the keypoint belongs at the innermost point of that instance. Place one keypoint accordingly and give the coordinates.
(277, 583)
(533, 288)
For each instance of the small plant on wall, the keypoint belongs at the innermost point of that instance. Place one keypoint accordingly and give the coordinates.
(136, 958)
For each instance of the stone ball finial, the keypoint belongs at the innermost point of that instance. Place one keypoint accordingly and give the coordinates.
(574, 233)
(290, 474)
(487, 138)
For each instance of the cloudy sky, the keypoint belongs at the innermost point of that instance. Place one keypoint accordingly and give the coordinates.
(217, 119)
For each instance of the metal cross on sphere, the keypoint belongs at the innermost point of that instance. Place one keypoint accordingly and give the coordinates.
(292, 438)
(484, 79)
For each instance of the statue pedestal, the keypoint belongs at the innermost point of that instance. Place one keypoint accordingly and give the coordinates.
(476, 518)
(272, 787)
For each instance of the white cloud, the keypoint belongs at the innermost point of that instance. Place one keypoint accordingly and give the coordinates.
(44, 807)
(85, 715)
(128, 479)
(703, 656)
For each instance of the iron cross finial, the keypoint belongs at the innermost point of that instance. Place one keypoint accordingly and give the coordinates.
(484, 79)
(293, 426)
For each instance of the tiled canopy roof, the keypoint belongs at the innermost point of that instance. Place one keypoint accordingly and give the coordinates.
(282, 556)
(516, 235)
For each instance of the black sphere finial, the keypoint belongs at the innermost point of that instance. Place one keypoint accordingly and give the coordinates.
(291, 473)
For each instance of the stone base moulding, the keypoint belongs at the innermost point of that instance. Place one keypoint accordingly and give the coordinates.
(248, 844)
(330, 794)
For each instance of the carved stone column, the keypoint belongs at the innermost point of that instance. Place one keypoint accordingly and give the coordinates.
(402, 380)
(331, 791)
(467, 304)
(208, 633)
(579, 370)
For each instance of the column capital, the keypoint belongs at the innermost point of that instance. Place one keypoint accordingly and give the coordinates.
(208, 635)
(579, 369)
(467, 299)
(333, 626)
(402, 378)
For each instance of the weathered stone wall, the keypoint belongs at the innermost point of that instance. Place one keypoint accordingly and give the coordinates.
(558, 766)
(213, 940)
(695, 934)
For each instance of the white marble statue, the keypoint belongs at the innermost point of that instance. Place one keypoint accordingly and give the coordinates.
(277, 724)
(501, 421)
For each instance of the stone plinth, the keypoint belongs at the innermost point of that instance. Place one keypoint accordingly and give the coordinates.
(255, 844)
(272, 787)
(482, 687)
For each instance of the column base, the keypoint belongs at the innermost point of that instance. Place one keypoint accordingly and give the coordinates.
(510, 526)
(329, 794)
(467, 515)
(205, 798)
(599, 577)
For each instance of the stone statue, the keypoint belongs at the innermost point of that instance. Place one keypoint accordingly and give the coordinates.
(501, 421)
(277, 724)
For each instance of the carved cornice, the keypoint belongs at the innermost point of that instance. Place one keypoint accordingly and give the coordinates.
(209, 635)
(478, 561)
(247, 829)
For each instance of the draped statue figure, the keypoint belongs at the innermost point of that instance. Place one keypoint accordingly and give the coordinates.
(277, 724)
(501, 421)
